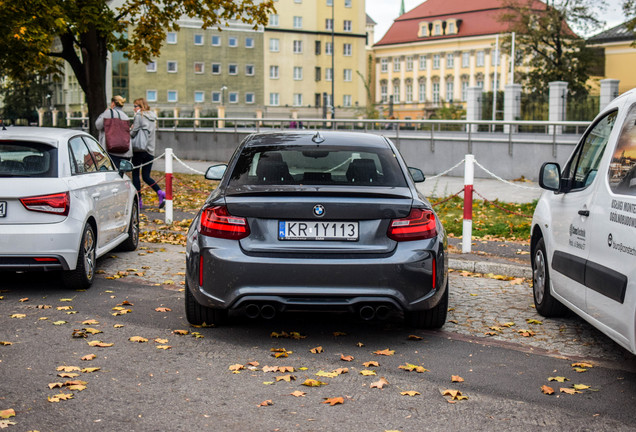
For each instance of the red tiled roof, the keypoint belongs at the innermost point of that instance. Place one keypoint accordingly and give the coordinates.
(478, 17)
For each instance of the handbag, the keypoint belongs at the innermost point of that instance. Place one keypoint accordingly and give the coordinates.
(117, 134)
(140, 141)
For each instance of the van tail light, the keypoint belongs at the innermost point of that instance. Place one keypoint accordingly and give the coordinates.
(58, 204)
(418, 225)
(218, 222)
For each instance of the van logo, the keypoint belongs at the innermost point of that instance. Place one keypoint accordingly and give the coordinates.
(319, 210)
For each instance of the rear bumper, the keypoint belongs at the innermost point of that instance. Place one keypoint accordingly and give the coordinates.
(403, 280)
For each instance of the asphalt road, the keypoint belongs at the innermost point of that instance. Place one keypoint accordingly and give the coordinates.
(191, 387)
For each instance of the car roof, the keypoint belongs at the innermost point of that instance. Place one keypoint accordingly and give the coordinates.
(327, 138)
(51, 136)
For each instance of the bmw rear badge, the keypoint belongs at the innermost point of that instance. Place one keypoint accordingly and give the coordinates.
(319, 210)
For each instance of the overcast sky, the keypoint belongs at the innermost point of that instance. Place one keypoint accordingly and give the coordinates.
(384, 12)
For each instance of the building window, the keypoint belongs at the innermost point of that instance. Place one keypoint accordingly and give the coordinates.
(328, 24)
(273, 20)
(480, 58)
(346, 25)
(328, 74)
(274, 45)
(348, 75)
(450, 60)
(480, 84)
(172, 67)
(199, 67)
(318, 73)
(216, 68)
(464, 90)
(438, 30)
(494, 55)
(298, 22)
(298, 47)
(435, 92)
(249, 70)
(198, 39)
(317, 47)
(436, 61)
(232, 41)
(298, 73)
(273, 72)
(298, 1)
(346, 48)
(171, 38)
(216, 40)
(422, 92)
(151, 95)
(396, 92)
(233, 97)
(450, 28)
(450, 88)
(199, 97)
(172, 95)
(274, 99)
(232, 69)
(328, 48)
(465, 59)
(216, 97)
(409, 63)
(151, 67)
(396, 64)
(298, 99)
(384, 65)
(409, 92)
(249, 98)
(347, 3)
(249, 42)
(346, 100)
(384, 92)
(329, 2)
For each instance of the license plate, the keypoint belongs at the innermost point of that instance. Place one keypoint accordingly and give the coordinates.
(3, 208)
(300, 230)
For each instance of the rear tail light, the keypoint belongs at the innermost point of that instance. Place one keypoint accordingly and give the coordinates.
(218, 222)
(55, 204)
(418, 225)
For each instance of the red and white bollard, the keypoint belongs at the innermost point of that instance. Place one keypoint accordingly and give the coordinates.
(467, 228)
(168, 216)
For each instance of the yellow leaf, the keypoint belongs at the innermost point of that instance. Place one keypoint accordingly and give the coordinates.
(568, 390)
(337, 333)
(76, 387)
(334, 401)
(341, 371)
(316, 350)
(508, 324)
(410, 393)
(118, 326)
(268, 382)
(414, 337)
(457, 378)
(100, 344)
(370, 363)
(55, 385)
(547, 390)
(18, 316)
(237, 367)
(379, 384)
(534, 321)
(313, 383)
(558, 379)
(89, 357)
(4, 343)
(25, 299)
(90, 322)
(164, 347)
(455, 395)
(163, 309)
(64, 308)
(5, 414)
(579, 370)
(582, 365)
(280, 354)
(287, 378)
(180, 332)
(284, 369)
(66, 300)
(161, 341)
(270, 368)
(60, 397)
(92, 331)
(168, 282)
(58, 323)
(138, 339)
(67, 374)
(385, 352)
(581, 386)
(298, 393)
(90, 370)
(67, 368)
(367, 372)
(326, 374)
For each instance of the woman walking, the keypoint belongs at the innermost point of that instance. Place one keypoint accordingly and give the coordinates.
(143, 137)
(116, 121)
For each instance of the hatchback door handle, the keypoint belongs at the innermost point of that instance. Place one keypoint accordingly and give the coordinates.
(584, 212)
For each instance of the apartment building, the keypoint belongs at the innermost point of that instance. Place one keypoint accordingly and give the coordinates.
(619, 55)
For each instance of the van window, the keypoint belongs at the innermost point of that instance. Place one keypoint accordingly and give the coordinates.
(622, 169)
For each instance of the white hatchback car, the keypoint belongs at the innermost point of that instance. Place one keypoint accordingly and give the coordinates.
(62, 203)
(584, 227)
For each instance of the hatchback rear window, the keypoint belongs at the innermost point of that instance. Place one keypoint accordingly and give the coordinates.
(323, 165)
(27, 159)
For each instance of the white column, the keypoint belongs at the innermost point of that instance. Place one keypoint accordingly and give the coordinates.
(558, 102)
(512, 104)
(609, 91)
(473, 105)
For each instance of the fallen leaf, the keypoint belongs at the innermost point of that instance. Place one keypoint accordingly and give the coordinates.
(67, 368)
(385, 352)
(66, 300)
(161, 341)
(287, 378)
(268, 382)
(89, 357)
(582, 365)
(367, 372)
(284, 369)
(266, 403)
(581, 386)
(25, 299)
(455, 395)
(76, 387)
(126, 302)
(270, 368)
(337, 333)
(6, 423)
(313, 383)
(237, 367)
(59, 323)
(118, 326)
(326, 374)
(547, 390)
(100, 344)
(180, 332)
(491, 333)
(457, 378)
(568, 390)
(579, 370)
(334, 401)
(360, 344)
(414, 337)
(534, 321)
(526, 333)
(18, 316)
(379, 383)
(92, 331)
(4, 343)
(90, 370)
(558, 379)
(508, 324)
(341, 371)
(163, 347)
(316, 350)
(5, 414)
(411, 367)
(197, 335)
(89, 322)
(298, 393)
(410, 393)
(64, 308)
(60, 397)
(138, 339)
(370, 363)
(163, 309)
(346, 358)
(253, 363)
(68, 375)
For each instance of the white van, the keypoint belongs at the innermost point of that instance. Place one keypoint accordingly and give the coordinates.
(584, 228)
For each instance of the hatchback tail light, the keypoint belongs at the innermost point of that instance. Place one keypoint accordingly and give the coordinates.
(418, 225)
(58, 204)
(218, 222)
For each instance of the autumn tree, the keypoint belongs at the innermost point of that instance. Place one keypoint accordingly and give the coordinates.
(22, 98)
(546, 43)
(35, 34)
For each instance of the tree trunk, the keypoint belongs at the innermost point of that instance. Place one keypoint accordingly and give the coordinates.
(94, 56)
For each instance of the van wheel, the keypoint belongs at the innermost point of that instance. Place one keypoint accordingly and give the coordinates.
(84, 273)
(197, 314)
(545, 304)
(430, 319)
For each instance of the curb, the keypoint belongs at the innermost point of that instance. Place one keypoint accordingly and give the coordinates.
(486, 267)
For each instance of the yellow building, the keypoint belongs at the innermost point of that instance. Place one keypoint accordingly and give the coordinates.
(434, 52)
(300, 42)
(620, 55)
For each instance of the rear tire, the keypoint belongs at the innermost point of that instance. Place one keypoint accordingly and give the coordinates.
(131, 243)
(197, 314)
(434, 318)
(545, 304)
(84, 273)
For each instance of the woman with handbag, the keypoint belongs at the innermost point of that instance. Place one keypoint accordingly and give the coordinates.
(113, 126)
(143, 137)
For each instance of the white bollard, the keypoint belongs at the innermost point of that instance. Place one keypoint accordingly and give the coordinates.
(168, 216)
(467, 228)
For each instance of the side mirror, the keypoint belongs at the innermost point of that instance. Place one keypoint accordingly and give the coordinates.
(215, 172)
(417, 175)
(550, 176)
(125, 166)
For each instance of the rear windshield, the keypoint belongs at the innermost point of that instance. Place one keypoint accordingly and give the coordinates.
(27, 159)
(324, 165)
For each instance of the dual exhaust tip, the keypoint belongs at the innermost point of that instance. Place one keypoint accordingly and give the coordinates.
(365, 312)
